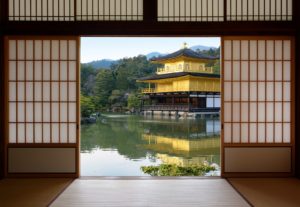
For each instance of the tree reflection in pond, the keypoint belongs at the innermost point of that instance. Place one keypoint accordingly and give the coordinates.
(118, 145)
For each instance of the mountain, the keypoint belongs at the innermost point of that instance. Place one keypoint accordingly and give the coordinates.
(153, 54)
(104, 63)
(201, 47)
(195, 48)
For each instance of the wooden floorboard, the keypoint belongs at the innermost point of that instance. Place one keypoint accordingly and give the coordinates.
(265, 192)
(31, 192)
(162, 193)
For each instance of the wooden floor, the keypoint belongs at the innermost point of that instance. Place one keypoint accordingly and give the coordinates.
(162, 193)
(30, 192)
(273, 192)
(283, 192)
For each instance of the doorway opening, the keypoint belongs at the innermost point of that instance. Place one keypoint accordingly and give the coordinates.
(150, 106)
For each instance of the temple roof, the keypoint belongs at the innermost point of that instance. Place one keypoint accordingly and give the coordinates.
(186, 53)
(179, 74)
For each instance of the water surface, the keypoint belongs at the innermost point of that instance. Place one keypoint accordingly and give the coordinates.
(118, 145)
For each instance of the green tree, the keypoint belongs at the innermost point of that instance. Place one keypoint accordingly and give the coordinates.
(133, 101)
(128, 70)
(88, 74)
(109, 87)
(87, 106)
(104, 84)
(216, 67)
(116, 96)
(212, 63)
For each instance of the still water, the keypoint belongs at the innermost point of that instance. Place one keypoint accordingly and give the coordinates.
(118, 145)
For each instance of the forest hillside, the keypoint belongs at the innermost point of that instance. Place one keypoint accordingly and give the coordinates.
(114, 88)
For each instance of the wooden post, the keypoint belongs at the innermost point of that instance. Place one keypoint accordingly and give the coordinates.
(2, 110)
(189, 101)
(296, 19)
(142, 105)
(3, 19)
(225, 10)
(4, 12)
(297, 104)
(173, 100)
(150, 10)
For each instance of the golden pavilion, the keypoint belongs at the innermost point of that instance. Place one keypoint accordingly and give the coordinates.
(184, 84)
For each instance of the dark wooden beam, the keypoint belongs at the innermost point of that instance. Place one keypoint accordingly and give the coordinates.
(2, 110)
(2, 17)
(297, 103)
(3, 11)
(149, 28)
(150, 10)
(296, 6)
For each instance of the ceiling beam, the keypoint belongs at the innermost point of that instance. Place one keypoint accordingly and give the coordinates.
(87, 28)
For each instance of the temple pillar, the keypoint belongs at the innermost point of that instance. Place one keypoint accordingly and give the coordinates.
(189, 101)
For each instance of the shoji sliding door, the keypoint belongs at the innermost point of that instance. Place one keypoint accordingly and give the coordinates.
(42, 117)
(257, 106)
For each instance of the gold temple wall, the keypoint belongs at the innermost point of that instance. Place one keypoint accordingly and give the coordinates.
(205, 84)
(181, 85)
(188, 84)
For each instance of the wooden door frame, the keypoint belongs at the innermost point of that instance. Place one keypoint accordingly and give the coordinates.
(297, 144)
(153, 28)
(297, 102)
(2, 91)
(2, 108)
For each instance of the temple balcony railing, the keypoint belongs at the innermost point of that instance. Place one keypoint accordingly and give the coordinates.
(165, 70)
(165, 108)
(203, 87)
(181, 107)
(155, 90)
(148, 90)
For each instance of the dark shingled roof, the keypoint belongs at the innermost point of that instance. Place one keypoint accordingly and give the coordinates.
(184, 52)
(180, 74)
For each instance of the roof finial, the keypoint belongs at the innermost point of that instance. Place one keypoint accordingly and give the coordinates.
(185, 45)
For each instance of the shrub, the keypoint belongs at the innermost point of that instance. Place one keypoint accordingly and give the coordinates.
(175, 170)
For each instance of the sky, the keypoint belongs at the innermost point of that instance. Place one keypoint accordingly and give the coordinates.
(114, 48)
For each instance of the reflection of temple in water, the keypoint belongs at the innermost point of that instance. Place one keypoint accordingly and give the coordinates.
(194, 146)
(186, 129)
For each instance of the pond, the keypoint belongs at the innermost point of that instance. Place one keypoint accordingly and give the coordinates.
(118, 145)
